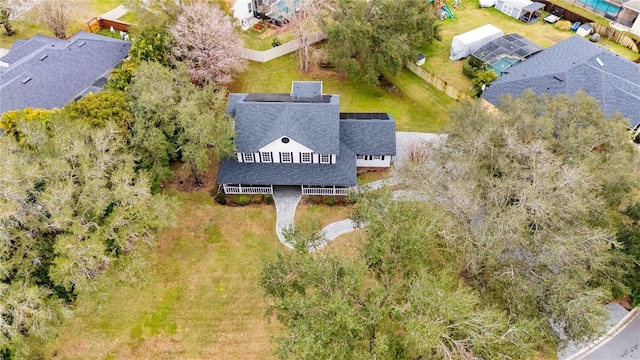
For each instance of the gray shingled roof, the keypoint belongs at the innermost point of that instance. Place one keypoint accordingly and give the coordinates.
(343, 173)
(369, 137)
(573, 65)
(314, 125)
(59, 70)
(306, 89)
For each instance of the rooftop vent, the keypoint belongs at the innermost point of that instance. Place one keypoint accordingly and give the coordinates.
(599, 61)
(81, 43)
(44, 56)
(26, 80)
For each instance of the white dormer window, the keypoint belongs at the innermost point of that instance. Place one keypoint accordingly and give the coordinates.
(305, 158)
(325, 159)
(285, 157)
(265, 157)
(247, 157)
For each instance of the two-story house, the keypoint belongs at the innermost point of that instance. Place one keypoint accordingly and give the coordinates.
(302, 139)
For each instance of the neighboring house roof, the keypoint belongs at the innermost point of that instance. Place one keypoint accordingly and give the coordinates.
(312, 124)
(45, 72)
(342, 173)
(367, 134)
(572, 65)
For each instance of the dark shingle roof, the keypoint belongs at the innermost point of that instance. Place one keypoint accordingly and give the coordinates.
(21, 49)
(369, 137)
(306, 89)
(314, 125)
(60, 70)
(572, 65)
(343, 173)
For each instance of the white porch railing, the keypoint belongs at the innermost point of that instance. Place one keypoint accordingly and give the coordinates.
(228, 189)
(325, 191)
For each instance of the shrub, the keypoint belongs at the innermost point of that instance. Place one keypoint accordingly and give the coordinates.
(330, 201)
(268, 199)
(220, 198)
(469, 71)
(482, 78)
(352, 197)
(276, 42)
(243, 199)
(563, 25)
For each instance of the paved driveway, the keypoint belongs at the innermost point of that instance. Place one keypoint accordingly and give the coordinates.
(625, 345)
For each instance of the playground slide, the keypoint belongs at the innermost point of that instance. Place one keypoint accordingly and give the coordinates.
(447, 10)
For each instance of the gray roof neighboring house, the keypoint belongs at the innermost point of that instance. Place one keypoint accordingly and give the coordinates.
(312, 124)
(342, 173)
(45, 72)
(572, 65)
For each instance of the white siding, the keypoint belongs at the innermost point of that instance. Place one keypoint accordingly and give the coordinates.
(294, 148)
(241, 8)
(373, 161)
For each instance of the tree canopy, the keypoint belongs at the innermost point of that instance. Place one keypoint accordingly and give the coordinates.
(176, 120)
(205, 37)
(370, 38)
(71, 206)
(535, 190)
(395, 298)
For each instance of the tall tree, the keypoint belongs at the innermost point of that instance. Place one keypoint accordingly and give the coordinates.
(55, 15)
(369, 38)
(304, 19)
(534, 189)
(206, 38)
(175, 120)
(396, 298)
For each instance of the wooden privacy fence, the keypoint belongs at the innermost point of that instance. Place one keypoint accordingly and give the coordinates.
(438, 83)
(96, 24)
(291, 46)
(617, 37)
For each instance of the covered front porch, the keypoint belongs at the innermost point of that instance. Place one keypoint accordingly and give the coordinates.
(234, 189)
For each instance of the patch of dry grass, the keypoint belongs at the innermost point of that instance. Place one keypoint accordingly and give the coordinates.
(201, 298)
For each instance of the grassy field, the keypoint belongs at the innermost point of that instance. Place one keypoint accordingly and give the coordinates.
(415, 105)
(201, 298)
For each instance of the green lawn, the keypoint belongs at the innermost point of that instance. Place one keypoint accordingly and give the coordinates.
(415, 105)
(200, 300)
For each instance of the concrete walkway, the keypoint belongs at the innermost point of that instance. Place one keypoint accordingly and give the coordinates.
(286, 199)
(115, 14)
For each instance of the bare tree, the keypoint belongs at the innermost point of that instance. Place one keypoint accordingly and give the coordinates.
(8, 10)
(205, 37)
(55, 15)
(303, 20)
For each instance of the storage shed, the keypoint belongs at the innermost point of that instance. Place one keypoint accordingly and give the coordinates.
(513, 8)
(464, 44)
